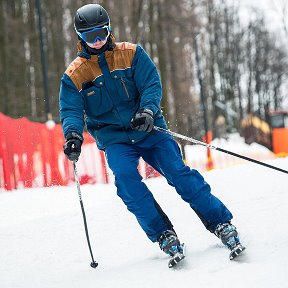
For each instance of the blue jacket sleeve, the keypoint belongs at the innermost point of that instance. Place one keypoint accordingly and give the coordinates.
(147, 81)
(71, 104)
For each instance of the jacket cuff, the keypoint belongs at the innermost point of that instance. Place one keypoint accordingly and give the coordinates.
(148, 111)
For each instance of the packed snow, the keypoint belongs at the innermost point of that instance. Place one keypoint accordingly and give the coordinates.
(43, 240)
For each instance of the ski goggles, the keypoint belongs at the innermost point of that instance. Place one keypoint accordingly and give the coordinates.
(91, 36)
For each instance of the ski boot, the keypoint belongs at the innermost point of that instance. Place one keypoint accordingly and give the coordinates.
(228, 234)
(170, 244)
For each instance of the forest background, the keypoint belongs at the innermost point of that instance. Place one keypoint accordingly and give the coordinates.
(241, 67)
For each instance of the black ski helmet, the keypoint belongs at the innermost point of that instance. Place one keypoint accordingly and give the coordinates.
(91, 16)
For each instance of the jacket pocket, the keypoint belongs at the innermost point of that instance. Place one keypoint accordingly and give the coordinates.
(97, 101)
(126, 87)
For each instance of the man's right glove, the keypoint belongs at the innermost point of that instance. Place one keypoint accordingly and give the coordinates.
(143, 120)
(72, 146)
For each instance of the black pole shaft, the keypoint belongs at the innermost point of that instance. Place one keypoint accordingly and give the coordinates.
(93, 264)
(44, 65)
(252, 160)
(218, 149)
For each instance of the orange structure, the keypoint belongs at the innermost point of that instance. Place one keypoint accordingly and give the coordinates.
(279, 125)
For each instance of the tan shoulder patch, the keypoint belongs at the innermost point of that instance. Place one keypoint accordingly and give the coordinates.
(122, 56)
(82, 70)
(74, 65)
(125, 46)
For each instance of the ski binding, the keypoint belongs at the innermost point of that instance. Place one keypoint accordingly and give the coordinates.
(177, 257)
(236, 251)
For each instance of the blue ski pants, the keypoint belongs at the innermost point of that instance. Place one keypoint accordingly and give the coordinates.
(161, 152)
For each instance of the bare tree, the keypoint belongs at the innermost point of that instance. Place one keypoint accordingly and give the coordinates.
(243, 66)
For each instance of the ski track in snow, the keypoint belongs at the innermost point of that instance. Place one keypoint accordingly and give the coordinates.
(43, 244)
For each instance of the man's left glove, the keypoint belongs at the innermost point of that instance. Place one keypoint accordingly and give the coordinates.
(143, 120)
(72, 146)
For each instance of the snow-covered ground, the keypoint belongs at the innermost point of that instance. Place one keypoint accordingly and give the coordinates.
(196, 155)
(43, 244)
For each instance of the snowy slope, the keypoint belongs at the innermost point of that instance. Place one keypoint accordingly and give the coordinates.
(43, 244)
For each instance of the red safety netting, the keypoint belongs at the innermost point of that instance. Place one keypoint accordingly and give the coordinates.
(31, 155)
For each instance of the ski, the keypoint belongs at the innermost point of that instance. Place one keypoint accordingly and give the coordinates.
(177, 257)
(236, 251)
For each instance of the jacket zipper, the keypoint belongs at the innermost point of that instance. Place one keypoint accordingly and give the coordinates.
(125, 88)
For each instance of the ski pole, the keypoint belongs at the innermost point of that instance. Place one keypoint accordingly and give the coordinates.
(217, 148)
(93, 264)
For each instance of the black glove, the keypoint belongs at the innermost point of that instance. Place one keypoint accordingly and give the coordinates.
(143, 120)
(72, 146)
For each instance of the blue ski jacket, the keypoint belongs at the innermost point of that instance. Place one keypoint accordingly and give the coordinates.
(106, 91)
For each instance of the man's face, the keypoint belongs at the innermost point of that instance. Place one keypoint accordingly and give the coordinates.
(98, 44)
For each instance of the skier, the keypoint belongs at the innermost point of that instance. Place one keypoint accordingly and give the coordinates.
(114, 88)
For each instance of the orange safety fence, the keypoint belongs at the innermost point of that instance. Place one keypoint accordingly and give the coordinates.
(31, 155)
